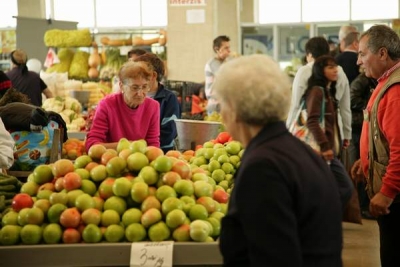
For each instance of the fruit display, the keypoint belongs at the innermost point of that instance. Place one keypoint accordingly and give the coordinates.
(133, 193)
(73, 148)
(214, 116)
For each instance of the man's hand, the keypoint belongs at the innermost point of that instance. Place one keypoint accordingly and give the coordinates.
(379, 205)
(357, 172)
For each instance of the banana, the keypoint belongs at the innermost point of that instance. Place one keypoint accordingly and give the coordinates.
(45, 139)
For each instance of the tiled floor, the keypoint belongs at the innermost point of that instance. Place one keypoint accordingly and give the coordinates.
(361, 244)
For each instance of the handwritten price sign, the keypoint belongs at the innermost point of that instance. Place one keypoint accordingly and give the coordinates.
(152, 254)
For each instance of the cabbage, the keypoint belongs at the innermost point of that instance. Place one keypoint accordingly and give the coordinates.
(73, 104)
(55, 104)
(70, 114)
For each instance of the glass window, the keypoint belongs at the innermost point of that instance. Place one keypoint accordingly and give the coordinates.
(257, 40)
(325, 10)
(118, 13)
(154, 13)
(7, 11)
(279, 11)
(369, 10)
(81, 11)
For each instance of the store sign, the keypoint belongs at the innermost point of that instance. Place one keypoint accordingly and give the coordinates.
(187, 2)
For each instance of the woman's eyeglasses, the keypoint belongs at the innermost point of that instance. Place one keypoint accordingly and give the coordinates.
(137, 88)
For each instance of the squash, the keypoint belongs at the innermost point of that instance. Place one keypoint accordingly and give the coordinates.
(94, 59)
(93, 72)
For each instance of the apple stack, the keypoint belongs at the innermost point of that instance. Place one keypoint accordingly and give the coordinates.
(130, 194)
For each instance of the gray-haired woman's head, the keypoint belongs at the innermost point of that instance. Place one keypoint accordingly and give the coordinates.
(256, 89)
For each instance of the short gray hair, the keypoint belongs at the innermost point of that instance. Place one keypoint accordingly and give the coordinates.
(345, 30)
(255, 87)
(383, 36)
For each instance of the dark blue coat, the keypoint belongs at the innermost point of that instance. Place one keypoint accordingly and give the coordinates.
(170, 110)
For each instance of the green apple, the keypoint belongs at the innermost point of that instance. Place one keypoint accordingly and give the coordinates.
(123, 143)
(31, 188)
(58, 197)
(137, 161)
(218, 175)
(54, 212)
(184, 187)
(188, 202)
(175, 218)
(114, 233)
(72, 196)
(82, 161)
(159, 232)
(182, 233)
(83, 173)
(115, 203)
(34, 216)
(43, 204)
(149, 175)
(198, 212)
(10, 218)
(131, 216)
(138, 146)
(91, 216)
(115, 166)
(31, 234)
(208, 203)
(203, 188)
(109, 217)
(139, 191)
(10, 235)
(150, 202)
(122, 187)
(52, 233)
(88, 187)
(91, 234)
(216, 226)
(199, 177)
(171, 204)
(164, 192)
(150, 217)
(84, 202)
(135, 232)
(199, 230)
(163, 164)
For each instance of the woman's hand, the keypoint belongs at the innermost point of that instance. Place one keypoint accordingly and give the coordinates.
(357, 172)
(328, 155)
(346, 143)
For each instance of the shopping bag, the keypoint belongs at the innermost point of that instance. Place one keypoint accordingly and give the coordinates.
(299, 126)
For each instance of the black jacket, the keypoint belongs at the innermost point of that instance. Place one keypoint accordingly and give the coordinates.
(284, 209)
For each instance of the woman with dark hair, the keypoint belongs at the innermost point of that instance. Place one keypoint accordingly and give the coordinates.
(322, 89)
(26, 81)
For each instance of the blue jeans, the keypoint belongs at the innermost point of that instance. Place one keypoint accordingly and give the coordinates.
(343, 180)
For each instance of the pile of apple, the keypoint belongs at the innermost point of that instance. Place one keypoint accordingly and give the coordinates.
(134, 193)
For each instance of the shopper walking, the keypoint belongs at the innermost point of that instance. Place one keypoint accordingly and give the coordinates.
(316, 47)
(285, 208)
(379, 55)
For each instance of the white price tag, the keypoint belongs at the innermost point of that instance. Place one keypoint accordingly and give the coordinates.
(152, 254)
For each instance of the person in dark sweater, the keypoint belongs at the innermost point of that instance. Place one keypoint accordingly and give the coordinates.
(284, 209)
(170, 108)
(347, 59)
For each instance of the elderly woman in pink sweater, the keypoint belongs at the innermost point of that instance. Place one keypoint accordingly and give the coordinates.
(128, 113)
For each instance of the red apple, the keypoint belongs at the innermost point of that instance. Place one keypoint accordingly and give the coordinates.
(221, 196)
(21, 201)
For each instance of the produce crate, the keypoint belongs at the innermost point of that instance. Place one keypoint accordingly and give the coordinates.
(184, 91)
(102, 254)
